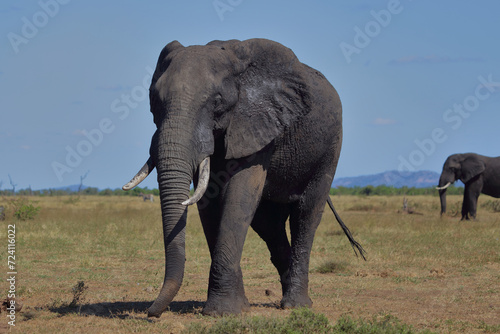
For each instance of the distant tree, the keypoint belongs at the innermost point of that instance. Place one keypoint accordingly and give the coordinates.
(82, 177)
(90, 191)
(368, 190)
(25, 192)
(13, 185)
(106, 192)
(119, 192)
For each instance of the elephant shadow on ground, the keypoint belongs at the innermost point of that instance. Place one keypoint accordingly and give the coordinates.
(123, 309)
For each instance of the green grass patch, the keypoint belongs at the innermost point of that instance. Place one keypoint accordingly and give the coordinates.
(305, 321)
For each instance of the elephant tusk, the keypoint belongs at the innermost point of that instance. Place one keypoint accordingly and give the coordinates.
(141, 175)
(444, 187)
(204, 176)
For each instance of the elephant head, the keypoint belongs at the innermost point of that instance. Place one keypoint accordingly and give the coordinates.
(205, 99)
(463, 167)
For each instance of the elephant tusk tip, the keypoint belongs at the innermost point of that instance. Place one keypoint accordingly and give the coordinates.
(188, 202)
(129, 186)
(141, 175)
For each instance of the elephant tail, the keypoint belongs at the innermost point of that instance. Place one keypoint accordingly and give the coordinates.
(354, 244)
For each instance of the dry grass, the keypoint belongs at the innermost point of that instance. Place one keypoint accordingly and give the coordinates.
(431, 272)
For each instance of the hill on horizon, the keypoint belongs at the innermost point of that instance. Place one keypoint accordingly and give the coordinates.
(72, 188)
(396, 179)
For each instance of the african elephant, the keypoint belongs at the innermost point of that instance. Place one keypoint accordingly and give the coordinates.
(480, 174)
(259, 133)
(147, 197)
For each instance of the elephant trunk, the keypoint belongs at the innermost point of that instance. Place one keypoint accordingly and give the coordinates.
(174, 179)
(442, 196)
(443, 186)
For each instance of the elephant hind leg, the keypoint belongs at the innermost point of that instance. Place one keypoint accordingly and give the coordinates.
(269, 223)
(305, 217)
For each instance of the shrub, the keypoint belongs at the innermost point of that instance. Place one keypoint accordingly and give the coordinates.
(24, 209)
(78, 293)
(492, 205)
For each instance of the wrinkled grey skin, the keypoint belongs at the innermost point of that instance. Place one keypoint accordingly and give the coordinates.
(272, 128)
(480, 174)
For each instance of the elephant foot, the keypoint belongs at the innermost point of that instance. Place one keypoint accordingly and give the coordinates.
(296, 301)
(217, 307)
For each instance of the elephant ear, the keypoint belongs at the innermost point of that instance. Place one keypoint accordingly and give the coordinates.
(273, 94)
(471, 167)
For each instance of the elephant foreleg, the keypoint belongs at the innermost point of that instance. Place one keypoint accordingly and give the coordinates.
(471, 195)
(226, 294)
(466, 203)
(209, 210)
(465, 208)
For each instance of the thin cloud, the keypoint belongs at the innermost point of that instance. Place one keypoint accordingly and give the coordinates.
(384, 121)
(433, 59)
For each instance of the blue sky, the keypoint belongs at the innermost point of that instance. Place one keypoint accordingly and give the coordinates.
(419, 80)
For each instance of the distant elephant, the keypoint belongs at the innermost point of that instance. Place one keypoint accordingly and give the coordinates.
(480, 174)
(147, 197)
(259, 133)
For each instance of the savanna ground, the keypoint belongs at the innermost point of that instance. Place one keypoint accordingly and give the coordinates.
(433, 273)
